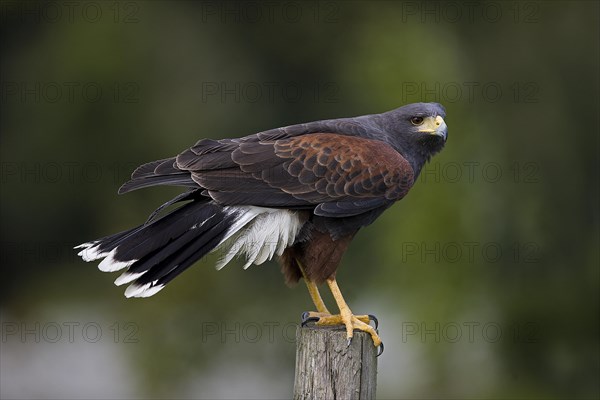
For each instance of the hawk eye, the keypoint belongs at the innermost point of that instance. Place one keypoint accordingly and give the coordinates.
(416, 120)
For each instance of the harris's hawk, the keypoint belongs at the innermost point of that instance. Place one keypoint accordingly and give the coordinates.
(300, 192)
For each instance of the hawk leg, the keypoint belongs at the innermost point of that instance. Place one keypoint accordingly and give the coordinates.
(313, 290)
(345, 317)
(322, 310)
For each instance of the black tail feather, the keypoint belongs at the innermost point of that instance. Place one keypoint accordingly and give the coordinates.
(161, 249)
(184, 257)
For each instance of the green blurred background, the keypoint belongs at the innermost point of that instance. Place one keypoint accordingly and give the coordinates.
(485, 278)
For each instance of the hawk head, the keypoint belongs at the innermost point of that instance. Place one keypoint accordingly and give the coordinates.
(417, 131)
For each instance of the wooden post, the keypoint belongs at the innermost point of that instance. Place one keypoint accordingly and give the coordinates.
(326, 368)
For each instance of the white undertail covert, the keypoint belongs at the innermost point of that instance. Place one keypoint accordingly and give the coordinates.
(261, 233)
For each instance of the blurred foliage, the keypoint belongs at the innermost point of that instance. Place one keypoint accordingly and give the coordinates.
(158, 65)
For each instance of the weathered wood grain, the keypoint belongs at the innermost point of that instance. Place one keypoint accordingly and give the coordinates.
(326, 368)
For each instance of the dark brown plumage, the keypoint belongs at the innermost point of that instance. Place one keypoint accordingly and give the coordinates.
(299, 192)
(319, 256)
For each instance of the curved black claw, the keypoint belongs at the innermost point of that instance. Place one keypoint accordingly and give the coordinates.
(374, 319)
(349, 341)
(306, 319)
(380, 350)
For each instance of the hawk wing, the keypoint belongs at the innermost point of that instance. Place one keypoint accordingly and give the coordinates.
(334, 174)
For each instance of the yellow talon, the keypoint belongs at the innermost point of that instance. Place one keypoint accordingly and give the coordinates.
(324, 318)
(351, 322)
(346, 318)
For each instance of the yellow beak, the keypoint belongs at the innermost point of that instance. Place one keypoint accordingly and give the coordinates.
(435, 126)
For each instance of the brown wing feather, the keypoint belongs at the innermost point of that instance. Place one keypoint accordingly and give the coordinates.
(339, 175)
(345, 167)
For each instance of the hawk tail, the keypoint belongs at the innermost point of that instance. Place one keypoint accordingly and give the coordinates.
(156, 252)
